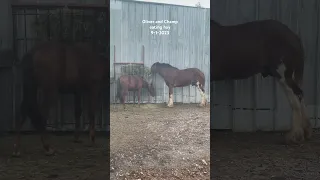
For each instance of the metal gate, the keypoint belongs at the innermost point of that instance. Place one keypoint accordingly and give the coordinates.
(64, 23)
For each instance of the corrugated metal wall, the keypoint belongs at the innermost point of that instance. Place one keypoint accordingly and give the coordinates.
(257, 103)
(188, 44)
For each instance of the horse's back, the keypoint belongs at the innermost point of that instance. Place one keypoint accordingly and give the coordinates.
(59, 64)
(131, 81)
(193, 73)
(193, 70)
(253, 47)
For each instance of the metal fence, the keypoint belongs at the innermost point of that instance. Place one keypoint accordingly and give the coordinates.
(65, 23)
(257, 103)
(187, 45)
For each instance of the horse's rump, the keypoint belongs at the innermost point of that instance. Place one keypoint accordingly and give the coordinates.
(194, 73)
(131, 81)
(242, 50)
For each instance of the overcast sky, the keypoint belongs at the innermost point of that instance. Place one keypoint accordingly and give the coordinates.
(204, 3)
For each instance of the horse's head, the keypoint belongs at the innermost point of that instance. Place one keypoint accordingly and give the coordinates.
(151, 87)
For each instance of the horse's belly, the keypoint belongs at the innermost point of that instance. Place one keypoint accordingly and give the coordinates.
(182, 83)
(132, 89)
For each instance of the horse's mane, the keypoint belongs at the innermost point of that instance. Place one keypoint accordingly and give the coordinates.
(165, 65)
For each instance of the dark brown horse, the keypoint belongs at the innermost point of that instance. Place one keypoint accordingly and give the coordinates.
(175, 77)
(267, 47)
(54, 68)
(133, 83)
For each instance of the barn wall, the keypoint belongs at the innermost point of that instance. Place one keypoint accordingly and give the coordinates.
(188, 44)
(257, 103)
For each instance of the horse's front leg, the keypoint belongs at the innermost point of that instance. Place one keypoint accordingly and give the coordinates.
(203, 95)
(170, 102)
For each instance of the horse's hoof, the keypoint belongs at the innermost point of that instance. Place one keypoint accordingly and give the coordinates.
(50, 152)
(16, 154)
(202, 105)
(295, 136)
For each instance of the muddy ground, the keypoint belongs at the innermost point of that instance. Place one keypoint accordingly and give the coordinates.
(259, 156)
(156, 142)
(72, 160)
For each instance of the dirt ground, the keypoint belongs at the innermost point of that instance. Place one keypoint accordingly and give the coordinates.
(72, 160)
(258, 156)
(156, 142)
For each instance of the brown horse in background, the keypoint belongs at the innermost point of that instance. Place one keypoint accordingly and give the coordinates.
(53, 68)
(175, 77)
(267, 47)
(134, 83)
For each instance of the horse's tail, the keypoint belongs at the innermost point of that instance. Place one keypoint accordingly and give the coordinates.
(118, 95)
(298, 72)
(29, 104)
(292, 40)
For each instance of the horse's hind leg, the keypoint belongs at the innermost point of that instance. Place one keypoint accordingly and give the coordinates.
(306, 122)
(296, 134)
(297, 90)
(298, 76)
(203, 95)
(77, 115)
